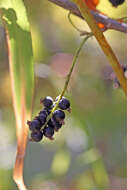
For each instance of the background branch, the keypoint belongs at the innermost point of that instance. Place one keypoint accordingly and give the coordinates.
(108, 22)
(103, 43)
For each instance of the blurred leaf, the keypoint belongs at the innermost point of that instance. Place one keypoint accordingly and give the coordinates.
(39, 48)
(100, 175)
(4, 175)
(85, 181)
(61, 162)
(93, 158)
(89, 156)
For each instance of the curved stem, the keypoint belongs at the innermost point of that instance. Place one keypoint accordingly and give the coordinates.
(68, 76)
(82, 33)
(69, 18)
(73, 63)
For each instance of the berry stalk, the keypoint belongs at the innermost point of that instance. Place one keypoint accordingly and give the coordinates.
(69, 75)
(51, 119)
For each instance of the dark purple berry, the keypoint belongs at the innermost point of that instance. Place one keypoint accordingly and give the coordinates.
(115, 3)
(59, 116)
(48, 110)
(48, 132)
(44, 112)
(50, 124)
(64, 104)
(47, 101)
(43, 116)
(42, 119)
(56, 125)
(34, 125)
(36, 136)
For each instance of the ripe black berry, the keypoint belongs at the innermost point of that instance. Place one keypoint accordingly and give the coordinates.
(56, 125)
(42, 117)
(59, 116)
(34, 125)
(64, 104)
(44, 112)
(44, 123)
(50, 124)
(47, 101)
(48, 132)
(115, 3)
(36, 136)
(48, 110)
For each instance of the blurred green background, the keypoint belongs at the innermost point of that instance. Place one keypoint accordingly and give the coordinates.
(90, 151)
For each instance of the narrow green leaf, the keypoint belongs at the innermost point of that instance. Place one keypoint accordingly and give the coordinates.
(21, 71)
(20, 50)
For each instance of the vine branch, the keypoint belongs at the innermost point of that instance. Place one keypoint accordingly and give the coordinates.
(72, 67)
(69, 75)
(109, 23)
(103, 43)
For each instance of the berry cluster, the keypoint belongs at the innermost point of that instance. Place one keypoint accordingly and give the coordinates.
(116, 83)
(42, 126)
(116, 3)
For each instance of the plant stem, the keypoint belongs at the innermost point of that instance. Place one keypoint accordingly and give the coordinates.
(82, 33)
(71, 69)
(109, 23)
(103, 43)
(68, 76)
(69, 18)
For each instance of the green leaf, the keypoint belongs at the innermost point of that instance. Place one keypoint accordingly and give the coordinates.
(21, 71)
(20, 51)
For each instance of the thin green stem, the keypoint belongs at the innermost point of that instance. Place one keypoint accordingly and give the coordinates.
(69, 18)
(82, 33)
(68, 76)
(71, 70)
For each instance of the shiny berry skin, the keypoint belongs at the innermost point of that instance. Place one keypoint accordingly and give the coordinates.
(59, 115)
(47, 101)
(48, 110)
(115, 3)
(44, 112)
(42, 117)
(48, 132)
(36, 136)
(50, 124)
(56, 125)
(64, 104)
(57, 98)
(34, 125)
